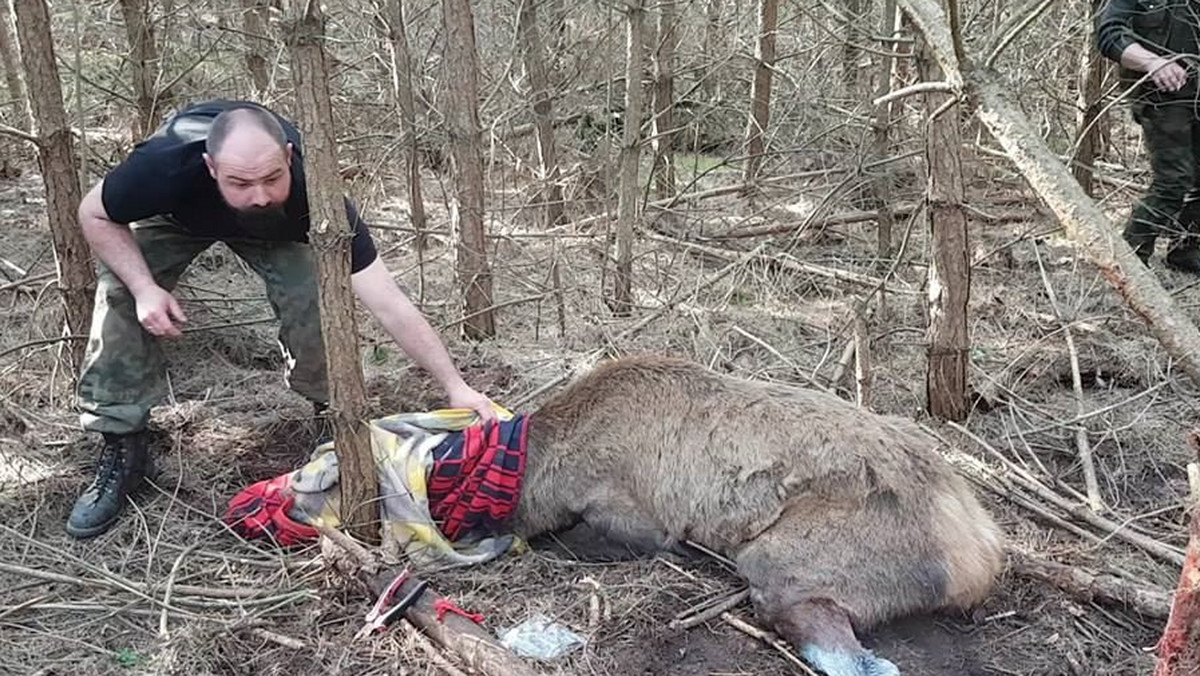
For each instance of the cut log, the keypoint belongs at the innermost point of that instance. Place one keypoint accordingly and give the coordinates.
(1089, 585)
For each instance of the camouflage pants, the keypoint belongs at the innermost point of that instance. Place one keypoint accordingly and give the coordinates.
(124, 372)
(1171, 207)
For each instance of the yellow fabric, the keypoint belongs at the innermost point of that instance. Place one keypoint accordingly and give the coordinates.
(402, 447)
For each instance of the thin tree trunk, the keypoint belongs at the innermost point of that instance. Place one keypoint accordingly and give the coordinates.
(713, 46)
(331, 237)
(760, 90)
(254, 24)
(10, 54)
(13, 152)
(851, 51)
(664, 100)
(542, 101)
(56, 159)
(1091, 76)
(143, 57)
(402, 88)
(949, 282)
(461, 69)
(881, 133)
(628, 190)
(1082, 219)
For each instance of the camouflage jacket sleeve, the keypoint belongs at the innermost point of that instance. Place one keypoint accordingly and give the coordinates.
(1114, 27)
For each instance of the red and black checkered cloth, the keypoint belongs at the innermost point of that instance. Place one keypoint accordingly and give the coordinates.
(476, 479)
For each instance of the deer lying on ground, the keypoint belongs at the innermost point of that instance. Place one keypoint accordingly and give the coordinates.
(838, 518)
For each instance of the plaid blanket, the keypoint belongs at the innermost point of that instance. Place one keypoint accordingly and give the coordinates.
(447, 484)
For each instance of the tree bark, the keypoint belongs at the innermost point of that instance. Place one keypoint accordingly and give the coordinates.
(461, 71)
(254, 24)
(10, 55)
(760, 90)
(143, 57)
(330, 235)
(1087, 135)
(56, 159)
(664, 100)
(949, 283)
(1082, 219)
(628, 189)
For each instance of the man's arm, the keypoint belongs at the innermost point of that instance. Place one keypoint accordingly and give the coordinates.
(1117, 40)
(377, 290)
(1167, 74)
(114, 245)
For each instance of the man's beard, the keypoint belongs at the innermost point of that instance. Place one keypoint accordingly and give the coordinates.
(261, 221)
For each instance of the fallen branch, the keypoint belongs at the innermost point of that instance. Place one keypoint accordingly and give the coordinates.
(1160, 550)
(230, 593)
(710, 613)
(770, 639)
(432, 652)
(789, 264)
(846, 218)
(1081, 435)
(274, 637)
(1088, 585)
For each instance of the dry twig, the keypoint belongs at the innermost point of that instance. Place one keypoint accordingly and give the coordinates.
(1081, 436)
(770, 639)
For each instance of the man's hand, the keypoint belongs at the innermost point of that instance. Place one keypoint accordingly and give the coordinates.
(378, 291)
(1167, 74)
(463, 396)
(158, 311)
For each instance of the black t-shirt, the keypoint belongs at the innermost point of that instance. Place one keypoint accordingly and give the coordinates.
(166, 175)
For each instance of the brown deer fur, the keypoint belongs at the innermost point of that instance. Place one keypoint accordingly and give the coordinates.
(836, 516)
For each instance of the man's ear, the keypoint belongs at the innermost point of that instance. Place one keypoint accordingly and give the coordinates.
(288, 154)
(212, 166)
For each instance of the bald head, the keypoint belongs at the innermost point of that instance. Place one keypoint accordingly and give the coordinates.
(248, 155)
(241, 125)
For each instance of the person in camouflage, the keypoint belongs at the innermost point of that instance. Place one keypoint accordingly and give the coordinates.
(228, 171)
(1155, 42)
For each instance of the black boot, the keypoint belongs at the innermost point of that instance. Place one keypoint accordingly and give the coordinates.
(1185, 257)
(124, 462)
(1141, 239)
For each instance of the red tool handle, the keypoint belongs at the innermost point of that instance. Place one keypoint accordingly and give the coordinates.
(443, 606)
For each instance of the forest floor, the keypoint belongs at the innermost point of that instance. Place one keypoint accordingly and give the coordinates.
(230, 421)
